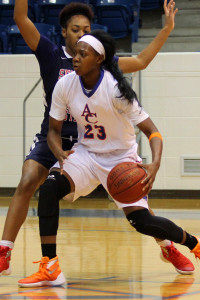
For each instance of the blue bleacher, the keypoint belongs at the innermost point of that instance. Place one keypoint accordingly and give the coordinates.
(16, 43)
(3, 38)
(120, 16)
(48, 10)
(151, 4)
(99, 26)
(7, 10)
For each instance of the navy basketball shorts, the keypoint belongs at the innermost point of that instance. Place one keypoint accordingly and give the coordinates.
(40, 152)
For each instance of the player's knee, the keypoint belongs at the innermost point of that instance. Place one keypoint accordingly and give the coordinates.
(157, 227)
(54, 188)
(27, 185)
(139, 219)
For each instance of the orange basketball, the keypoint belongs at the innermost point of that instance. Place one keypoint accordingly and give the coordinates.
(124, 182)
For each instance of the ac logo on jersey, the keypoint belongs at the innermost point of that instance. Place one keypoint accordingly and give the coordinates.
(89, 117)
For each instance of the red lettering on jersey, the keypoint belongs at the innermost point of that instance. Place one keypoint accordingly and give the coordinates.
(69, 117)
(63, 72)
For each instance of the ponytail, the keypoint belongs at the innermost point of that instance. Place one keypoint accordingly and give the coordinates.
(111, 65)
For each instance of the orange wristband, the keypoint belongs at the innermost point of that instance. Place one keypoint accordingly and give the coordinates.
(155, 134)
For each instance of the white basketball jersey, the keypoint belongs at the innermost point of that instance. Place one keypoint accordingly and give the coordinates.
(105, 121)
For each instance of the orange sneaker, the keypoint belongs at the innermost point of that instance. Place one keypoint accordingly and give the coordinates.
(49, 274)
(5, 255)
(196, 249)
(181, 263)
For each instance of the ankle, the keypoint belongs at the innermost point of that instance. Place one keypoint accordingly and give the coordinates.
(6, 243)
(49, 250)
(164, 243)
(190, 241)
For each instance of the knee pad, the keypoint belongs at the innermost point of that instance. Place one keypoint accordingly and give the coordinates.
(54, 188)
(154, 226)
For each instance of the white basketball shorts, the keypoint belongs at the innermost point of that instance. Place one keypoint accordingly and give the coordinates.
(89, 169)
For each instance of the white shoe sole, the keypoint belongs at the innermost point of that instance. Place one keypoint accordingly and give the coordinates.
(59, 281)
(6, 272)
(179, 271)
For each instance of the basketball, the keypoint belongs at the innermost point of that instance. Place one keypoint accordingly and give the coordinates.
(124, 182)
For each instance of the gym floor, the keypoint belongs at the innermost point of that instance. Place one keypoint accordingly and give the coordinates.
(102, 256)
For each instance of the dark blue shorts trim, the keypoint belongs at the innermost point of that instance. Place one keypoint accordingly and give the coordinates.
(40, 152)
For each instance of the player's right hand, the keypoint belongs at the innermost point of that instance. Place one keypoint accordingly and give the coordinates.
(61, 159)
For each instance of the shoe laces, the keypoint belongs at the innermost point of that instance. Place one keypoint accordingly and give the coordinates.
(42, 268)
(173, 250)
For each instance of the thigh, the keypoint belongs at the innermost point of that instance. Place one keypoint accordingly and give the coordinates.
(33, 174)
(41, 153)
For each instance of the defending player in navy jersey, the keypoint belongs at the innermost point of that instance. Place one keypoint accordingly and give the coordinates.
(75, 20)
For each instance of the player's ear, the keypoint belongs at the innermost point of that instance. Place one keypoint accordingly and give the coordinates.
(64, 32)
(100, 58)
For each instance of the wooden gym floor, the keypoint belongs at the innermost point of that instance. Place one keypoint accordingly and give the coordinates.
(101, 255)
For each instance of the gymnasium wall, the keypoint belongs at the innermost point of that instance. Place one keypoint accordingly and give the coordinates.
(170, 94)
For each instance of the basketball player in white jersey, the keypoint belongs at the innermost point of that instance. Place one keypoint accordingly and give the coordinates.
(106, 110)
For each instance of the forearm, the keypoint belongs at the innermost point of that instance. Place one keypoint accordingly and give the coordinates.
(54, 142)
(148, 54)
(156, 150)
(20, 10)
(27, 29)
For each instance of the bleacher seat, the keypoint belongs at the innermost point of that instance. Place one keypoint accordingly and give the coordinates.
(48, 10)
(99, 26)
(151, 4)
(118, 16)
(7, 10)
(3, 38)
(16, 42)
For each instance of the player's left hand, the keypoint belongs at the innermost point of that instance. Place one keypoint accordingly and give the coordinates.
(170, 12)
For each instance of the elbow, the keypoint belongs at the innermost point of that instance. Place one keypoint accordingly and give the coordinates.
(144, 65)
(16, 19)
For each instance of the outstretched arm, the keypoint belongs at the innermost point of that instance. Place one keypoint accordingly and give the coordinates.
(28, 30)
(140, 62)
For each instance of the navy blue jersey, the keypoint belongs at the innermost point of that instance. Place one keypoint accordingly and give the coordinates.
(53, 65)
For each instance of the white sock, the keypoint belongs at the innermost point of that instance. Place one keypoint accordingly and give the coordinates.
(164, 243)
(7, 244)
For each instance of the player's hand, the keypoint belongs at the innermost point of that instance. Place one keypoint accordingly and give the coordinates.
(61, 158)
(151, 170)
(170, 12)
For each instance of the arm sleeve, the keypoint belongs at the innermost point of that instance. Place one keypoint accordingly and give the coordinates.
(59, 103)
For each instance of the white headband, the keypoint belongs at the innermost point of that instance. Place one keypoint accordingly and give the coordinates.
(94, 43)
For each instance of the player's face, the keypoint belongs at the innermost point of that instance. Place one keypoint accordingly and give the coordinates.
(77, 26)
(86, 60)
